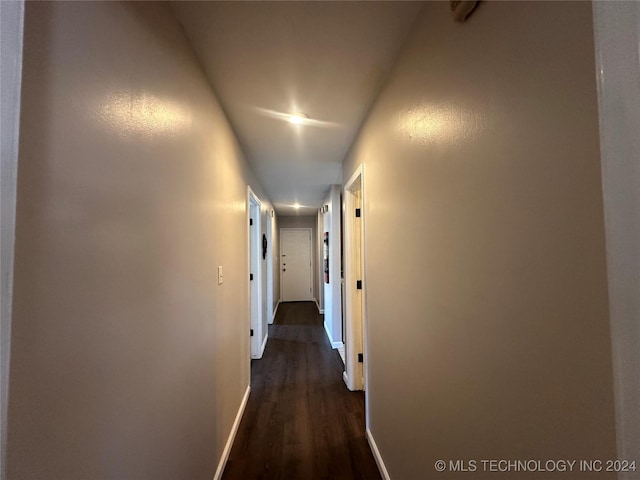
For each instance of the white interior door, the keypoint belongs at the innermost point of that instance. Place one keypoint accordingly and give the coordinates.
(355, 286)
(358, 310)
(295, 264)
(255, 278)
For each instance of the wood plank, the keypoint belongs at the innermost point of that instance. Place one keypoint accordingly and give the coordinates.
(301, 422)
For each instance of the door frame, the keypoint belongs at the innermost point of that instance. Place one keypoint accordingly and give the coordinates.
(256, 345)
(269, 259)
(310, 230)
(356, 375)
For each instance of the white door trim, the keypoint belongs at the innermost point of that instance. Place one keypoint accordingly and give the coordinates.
(310, 230)
(11, 33)
(269, 260)
(356, 375)
(255, 286)
(617, 31)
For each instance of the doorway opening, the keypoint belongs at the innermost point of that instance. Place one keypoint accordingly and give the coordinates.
(257, 335)
(355, 284)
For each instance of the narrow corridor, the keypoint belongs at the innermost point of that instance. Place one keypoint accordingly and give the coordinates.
(478, 180)
(300, 422)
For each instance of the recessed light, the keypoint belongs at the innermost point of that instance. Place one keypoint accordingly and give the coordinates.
(296, 206)
(298, 118)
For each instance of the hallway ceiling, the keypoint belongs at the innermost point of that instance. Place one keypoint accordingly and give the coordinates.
(325, 59)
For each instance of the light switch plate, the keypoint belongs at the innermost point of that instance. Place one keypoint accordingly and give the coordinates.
(220, 275)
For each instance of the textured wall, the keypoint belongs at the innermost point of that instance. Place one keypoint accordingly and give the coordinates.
(129, 362)
(485, 256)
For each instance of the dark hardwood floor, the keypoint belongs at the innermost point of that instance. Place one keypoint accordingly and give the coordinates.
(301, 422)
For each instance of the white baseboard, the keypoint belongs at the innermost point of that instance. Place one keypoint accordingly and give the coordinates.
(377, 456)
(264, 345)
(320, 310)
(345, 378)
(326, 329)
(232, 436)
(334, 345)
(275, 310)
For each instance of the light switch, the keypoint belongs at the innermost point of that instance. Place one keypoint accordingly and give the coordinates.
(220, 275)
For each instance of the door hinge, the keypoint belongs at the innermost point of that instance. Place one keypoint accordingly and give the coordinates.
(251, 332)
(360, 358)
(359, 284)
(251, 221)
(358, 212)
(250, 276)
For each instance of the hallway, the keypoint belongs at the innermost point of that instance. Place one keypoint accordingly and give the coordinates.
(300, 422)
(472, 193)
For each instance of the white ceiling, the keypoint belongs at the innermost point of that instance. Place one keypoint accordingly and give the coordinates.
(325, 59)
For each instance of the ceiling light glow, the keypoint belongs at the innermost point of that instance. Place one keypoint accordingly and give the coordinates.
(296, 206)
(297, 118)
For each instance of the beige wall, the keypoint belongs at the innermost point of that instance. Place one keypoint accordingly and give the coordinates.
(305, 221)
(485, 257)
(128, 360)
